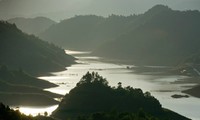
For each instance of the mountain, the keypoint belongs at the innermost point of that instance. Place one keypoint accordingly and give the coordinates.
(29, 53)
(32, 25)
(161, 37)
(86, 32)
(93, 95)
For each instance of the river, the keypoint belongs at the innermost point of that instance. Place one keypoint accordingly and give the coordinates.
(160, 86)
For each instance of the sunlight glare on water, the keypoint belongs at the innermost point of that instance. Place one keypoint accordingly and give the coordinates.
(34, 111)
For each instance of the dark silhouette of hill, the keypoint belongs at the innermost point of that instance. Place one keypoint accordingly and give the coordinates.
(163, 37)
(32, 25)
(86, 32)
(19, 50)
(27, 99)
(93, 94)
(19, 77)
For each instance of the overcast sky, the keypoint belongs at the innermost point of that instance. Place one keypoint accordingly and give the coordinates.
(61, 9)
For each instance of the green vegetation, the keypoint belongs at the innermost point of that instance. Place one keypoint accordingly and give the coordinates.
(141, 115)
(93, 94)
(19, 50)
(32, 25)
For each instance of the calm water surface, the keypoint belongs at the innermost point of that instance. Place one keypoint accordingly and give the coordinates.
(159, 86)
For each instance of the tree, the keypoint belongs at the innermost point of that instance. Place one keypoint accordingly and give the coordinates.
(119, 85)
(45, 114)
(93, 77)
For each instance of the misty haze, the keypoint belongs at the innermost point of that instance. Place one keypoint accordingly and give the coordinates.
(99, 60)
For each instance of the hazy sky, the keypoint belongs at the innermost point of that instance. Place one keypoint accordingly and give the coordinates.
(61, 9)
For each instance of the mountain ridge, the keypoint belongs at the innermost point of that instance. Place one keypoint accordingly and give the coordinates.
(32, 25)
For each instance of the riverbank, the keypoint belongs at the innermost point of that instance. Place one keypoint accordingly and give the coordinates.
(193, 91)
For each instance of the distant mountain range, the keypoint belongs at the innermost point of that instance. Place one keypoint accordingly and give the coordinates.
(21, 51)
(86, 32)
(160, 36)
(164, 37)
(32, 25)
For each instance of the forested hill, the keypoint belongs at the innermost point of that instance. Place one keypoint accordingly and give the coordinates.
(19, 50)
(165, 37)
(32, 25)
(87, 32)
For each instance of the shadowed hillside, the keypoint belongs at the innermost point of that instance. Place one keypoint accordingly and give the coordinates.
(166, 37)
(19, 88)
(19, 50)
(19, 77)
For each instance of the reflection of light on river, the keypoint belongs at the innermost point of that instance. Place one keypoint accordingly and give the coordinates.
(36, 110)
